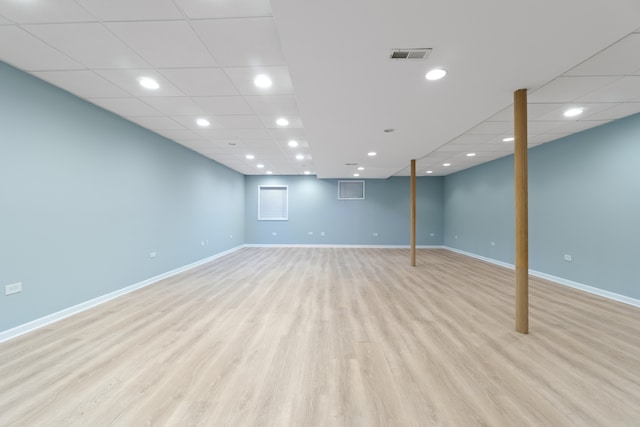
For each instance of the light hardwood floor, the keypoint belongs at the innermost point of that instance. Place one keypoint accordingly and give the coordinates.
(331, 337)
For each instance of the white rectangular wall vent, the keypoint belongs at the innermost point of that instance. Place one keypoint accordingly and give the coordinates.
(350, 190)
(416, 54)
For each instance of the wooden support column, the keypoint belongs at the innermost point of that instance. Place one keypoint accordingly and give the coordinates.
(413, 213)
(522, 211)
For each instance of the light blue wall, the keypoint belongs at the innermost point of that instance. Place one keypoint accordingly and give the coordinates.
(314, 207)
(584, 201)
(86, 196)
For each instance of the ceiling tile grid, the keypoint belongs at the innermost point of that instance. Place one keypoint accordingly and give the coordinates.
(205, 56)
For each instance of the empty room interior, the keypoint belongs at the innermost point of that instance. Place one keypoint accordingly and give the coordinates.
(331, 213)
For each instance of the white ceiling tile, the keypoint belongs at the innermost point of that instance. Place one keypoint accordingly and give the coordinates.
(180, 134)
(128, 80)
(127, 10)
(201, 81)
(248, 42)
(577, 126)
(613, 61)
(85, 84)
(79, 41)
(126, 106)
(234, 134)
(156, 123)
(223, 122)
(623, 90)
(618, 111)
(3, 21)
(538, 127)
(459, 147)
(174, 105)
(558, 112)
(568, 89)
(470, 139)
(223, 105)
(164, 44)
(492, 128)
(295, 122)
(273, 105)
(29, 53)
(202, 9)
(24, 12)
(287, 134)
(243, 77)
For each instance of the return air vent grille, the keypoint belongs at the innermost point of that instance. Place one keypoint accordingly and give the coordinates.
(414, 54)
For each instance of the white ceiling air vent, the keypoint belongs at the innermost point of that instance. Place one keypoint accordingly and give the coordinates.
(416, 54)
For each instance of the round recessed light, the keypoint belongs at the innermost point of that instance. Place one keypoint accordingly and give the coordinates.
(389, 130)
(429, 171)
(361, 168)
(508, 139)
(572, 112)
(232, 143)
(269, 172)
(471, 154)
(300, 157)
(292, 143)
(436, 74)
(262, 81)
(148, 83)
(307, 173)
(202, 122)
(250, 157)
(371, 153)
(356, 174)
(446, 164)
(259, 165)
(282, 122)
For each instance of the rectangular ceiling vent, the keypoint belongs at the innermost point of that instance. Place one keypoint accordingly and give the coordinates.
(416, 54)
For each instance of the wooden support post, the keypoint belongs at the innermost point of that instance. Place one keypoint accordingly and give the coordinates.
(522, 211)
(413, 213)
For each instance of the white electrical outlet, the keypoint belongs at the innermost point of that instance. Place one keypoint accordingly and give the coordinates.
(375, 234)
(493, 243)
(274, 233)
(13, 288)
(152, 255)
(431, 234)
(567, 257)
(202, 243)
(311, 233)
(322, 234)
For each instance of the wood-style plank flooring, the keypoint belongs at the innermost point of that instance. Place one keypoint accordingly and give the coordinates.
(330, 337)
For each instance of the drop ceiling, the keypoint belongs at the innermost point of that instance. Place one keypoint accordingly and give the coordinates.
(332, 76)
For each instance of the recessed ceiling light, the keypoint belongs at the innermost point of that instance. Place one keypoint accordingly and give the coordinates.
(282, 122)
(361, 168)
(202, 122)
(259, 165)
(508, 139)
(293, 143)
(371, 153)
(436, 74)
(250, 157)
(307, 173)
(446, 164)
(389, 130)
(263, 81)
(148, 83)
(300, 157)
(572, 112)
(429, 171)
(269, 172)
(356, 174)
(471, 154)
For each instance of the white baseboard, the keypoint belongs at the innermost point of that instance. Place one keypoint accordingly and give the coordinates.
(559, 280)
(296, 245)
(59, 315)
